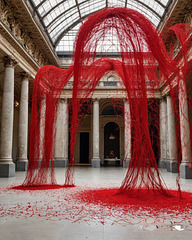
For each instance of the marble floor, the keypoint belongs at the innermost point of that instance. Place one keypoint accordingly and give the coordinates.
(18, 222)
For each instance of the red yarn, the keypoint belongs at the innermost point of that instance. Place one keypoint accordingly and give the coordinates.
(141, 49)
(48, 85)
(143, 56)
(99, 205)
(37, 187)
(152, 200)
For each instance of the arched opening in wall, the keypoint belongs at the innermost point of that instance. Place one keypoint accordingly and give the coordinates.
(84, 147)
(110, 110)
(111, 143)
(153, 118)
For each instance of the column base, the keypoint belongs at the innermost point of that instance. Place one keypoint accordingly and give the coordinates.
(126, 163)
(172, 166)
(185, 171)
(61, 162)
(96, 163)
(7, 170)
(21, 165)
(162, 163)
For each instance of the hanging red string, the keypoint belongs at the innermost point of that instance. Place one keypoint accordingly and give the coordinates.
(143, 66)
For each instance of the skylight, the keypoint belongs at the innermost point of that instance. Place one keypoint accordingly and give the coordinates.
(61, 19)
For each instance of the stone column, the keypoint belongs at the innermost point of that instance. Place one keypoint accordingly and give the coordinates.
(185, 170)
(61, 138)
(7, 167)
(172, 165)
(163, 132)
(96, 162)
(42, 128)
(21, 163)
(127, 119)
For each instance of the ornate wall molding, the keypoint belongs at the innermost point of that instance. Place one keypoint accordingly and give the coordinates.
(9, 61)
(17, 29)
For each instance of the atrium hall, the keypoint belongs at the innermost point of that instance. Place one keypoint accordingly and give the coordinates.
(35, 33)
(38, 33)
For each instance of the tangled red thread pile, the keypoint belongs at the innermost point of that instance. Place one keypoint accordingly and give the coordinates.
(99, 205)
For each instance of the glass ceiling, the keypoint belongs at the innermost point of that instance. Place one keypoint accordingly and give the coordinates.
(61, 19)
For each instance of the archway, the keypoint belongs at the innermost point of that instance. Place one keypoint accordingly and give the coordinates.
(111, 142)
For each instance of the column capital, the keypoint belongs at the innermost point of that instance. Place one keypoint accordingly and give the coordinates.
(64, 100)
(9, 61)
(95, 99)
(162, 98)
(25, 76)
(125, 100)
(168, 94)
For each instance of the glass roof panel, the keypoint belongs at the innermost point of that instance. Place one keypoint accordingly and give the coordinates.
(59, 17)
(66, 43)
(69, 14)
(48, 5)
(68, 17)
(164, 2)
(112, 3)
(149, 14)
(55, 30)
(87, 9)
(36, 2)
(57, 11)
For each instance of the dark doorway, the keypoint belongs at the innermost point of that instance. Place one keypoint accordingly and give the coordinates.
(84, 147)
(153, 117)
(111, 140)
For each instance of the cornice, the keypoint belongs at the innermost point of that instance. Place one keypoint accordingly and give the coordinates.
(17, 17)
(11, 46)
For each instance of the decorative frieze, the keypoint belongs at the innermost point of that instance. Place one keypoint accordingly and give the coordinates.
(17, 29)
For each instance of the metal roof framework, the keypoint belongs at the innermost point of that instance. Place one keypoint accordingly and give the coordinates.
(59, 17)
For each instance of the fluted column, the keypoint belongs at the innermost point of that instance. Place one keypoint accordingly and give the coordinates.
(163, 132)
(61, 138)
(96, 158)
(185, 170)
(172, 165)
(21, 164)
(7, 167)
(127, 119)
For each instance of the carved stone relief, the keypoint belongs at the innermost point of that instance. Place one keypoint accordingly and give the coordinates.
(17, 29)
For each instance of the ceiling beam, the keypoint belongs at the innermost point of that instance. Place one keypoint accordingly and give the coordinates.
(39, 5)
(77, 5)
(160, 3)
(165, 12)
(53, 8)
